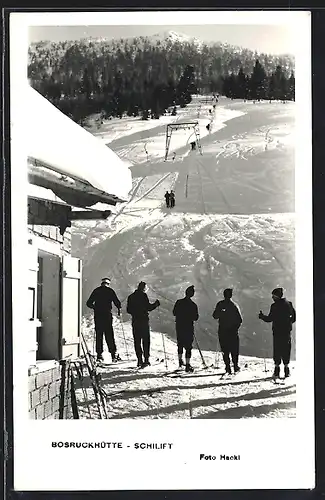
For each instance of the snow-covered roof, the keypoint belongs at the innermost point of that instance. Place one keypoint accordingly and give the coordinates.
(41, 192)
(56, 141)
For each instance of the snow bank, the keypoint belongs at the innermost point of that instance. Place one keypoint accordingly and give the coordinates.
(116, 128)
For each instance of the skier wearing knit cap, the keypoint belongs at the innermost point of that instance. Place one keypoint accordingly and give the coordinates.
(230, 319)
(185, 312)
(282, 315)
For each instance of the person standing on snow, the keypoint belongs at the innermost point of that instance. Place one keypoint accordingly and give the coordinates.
(100, 301)
(167, 198)
(185, 312)
(282, 315)
(172, 199)
(230, 319)
(138, 306)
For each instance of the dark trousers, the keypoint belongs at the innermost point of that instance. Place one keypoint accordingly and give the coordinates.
(281, 348)
(167, 202)
(141, 338)
(184, 335)
(229, 344)
(104, 327)
(172, 202)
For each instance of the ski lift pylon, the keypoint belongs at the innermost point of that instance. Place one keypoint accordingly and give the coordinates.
(193, 125)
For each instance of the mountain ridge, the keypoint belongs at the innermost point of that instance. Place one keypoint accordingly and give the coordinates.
(161, 37)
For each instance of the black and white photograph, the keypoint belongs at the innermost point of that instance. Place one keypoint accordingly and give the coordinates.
(166, 235)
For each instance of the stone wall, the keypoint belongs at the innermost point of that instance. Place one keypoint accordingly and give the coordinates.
(49, 392)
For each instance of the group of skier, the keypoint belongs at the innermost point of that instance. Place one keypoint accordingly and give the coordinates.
(170, 199)
(282, 315)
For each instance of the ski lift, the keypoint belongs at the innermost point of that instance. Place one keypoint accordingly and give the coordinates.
(193, 125)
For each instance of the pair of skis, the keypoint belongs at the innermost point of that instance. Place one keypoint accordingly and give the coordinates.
(95, 378)
(156, 363)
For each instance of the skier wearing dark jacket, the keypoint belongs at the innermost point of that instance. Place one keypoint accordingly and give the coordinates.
(282, 315)
(100, 301)
(167, 198)
(185, 312)
(230, 319)
(138, 306)
(171, 199)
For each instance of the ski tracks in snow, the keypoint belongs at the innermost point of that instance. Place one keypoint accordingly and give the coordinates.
(155, 393)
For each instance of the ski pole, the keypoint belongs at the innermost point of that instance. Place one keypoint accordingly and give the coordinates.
(216, 359)
(265, 350)
(163, 340)
(202, 358)
(125, 343)
(94, 343)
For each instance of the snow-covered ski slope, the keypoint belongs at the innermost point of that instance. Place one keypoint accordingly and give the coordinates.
(232, 226)
(160, 392)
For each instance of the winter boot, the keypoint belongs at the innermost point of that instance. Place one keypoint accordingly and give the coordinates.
(100, 357)
(146, 363)
(228, 369)
(140, 363)
(286, 371)
(189, 369)
(236, 369)
(276, 372)
(180, 362)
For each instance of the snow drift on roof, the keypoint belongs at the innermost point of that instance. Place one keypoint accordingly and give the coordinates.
(56, 140)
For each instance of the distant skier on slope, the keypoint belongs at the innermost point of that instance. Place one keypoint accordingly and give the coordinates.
(282, 315)
(185, 312)
(167, 198)
(230, 319)
(138, 306)
(100, 301)
(172, 199)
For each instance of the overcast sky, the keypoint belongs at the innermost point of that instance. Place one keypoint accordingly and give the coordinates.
(273, 39)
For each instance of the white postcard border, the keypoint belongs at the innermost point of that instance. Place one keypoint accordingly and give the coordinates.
(274, 453)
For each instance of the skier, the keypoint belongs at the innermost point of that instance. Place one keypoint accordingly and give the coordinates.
(100, 301)
(185, 312)
(138, 306)
(172, 199)
(167, 198)
(230, 319)
(282, 315)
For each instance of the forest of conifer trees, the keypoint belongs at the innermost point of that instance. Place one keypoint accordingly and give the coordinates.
(139, 77)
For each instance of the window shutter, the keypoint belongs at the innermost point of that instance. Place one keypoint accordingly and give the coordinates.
(33, 322)
(70, 306)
